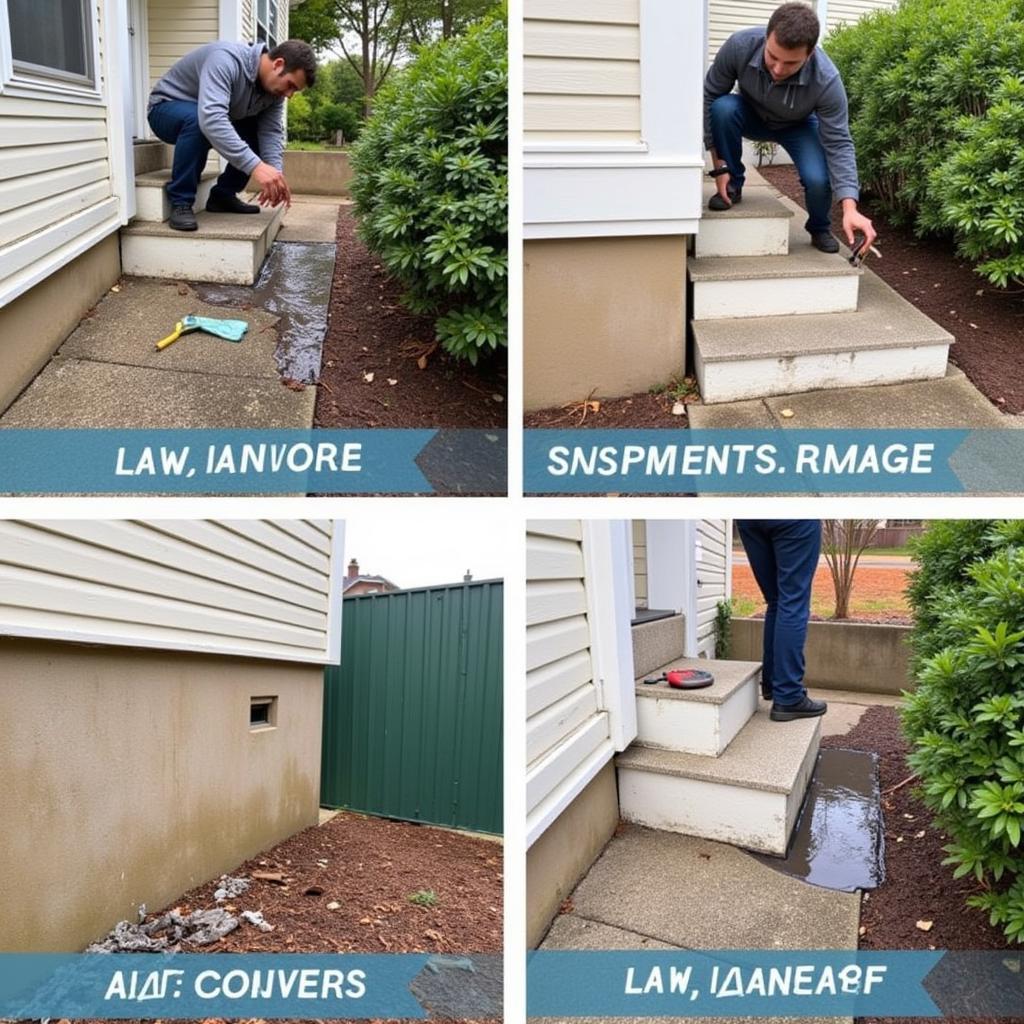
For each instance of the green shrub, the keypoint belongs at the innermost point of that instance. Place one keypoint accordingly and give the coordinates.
(965, 720)
(932, 85)
(431, 186)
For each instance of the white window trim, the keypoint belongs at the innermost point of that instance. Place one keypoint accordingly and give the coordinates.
(230, 20)
(608, 569)
(20, 85)
(650, 187)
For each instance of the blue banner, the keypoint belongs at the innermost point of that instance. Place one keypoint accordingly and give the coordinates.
(246, 985)
(297, 462)
(790, 461)
(729, 983)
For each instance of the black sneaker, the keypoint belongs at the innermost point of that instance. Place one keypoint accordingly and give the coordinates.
(807, 708)
(229, 204)
(716, 202)
(824, 241)
(183, 219)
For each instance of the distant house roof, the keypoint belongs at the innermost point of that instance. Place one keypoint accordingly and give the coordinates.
(354, 577)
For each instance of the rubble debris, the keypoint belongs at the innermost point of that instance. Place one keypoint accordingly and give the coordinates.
(167, 932)
(256, 918)
(230, 888)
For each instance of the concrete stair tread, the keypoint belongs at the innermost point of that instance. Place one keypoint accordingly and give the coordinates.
(230, 226)
(730, 676)
(759, 201)
(803, 260)
(883, 320)
(765, 755)
(159, 178)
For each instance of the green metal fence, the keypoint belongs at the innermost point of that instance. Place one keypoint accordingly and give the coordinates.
(412, 716)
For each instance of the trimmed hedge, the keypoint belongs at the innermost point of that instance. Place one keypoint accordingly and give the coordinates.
(431, 186)
(936, 90)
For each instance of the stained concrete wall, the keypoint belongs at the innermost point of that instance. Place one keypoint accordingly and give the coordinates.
(317, 173)
(565, 851)
(132, 775)
(33, 326)
(840, 655)
(602, 315)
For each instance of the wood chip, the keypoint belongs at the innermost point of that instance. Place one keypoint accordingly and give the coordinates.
(925, 926)
(269, 876)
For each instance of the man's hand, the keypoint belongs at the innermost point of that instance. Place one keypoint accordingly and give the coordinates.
(855, 222)
(722, 181)
(274, 189)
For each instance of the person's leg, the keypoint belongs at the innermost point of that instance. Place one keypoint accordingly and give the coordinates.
(761, 555)
(803, 144)
(232, 179)
(177, 123)
(729, 117)
(797, 545)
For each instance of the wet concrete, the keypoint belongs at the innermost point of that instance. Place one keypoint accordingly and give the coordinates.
(294, 284)
(839, 841)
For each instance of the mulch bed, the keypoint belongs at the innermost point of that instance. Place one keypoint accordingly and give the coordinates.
(638, 412)
(917, 887)
(988, 325)
(370, 332)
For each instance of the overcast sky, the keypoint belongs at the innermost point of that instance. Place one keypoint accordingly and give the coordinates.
(421, 553)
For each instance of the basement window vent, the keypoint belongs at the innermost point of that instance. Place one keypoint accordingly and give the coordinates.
(262, 713)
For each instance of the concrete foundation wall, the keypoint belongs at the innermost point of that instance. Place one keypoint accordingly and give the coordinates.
(840, 655)
(606, 315)
(566, 850)
(33, 326)
(317, 173)
(132, 775)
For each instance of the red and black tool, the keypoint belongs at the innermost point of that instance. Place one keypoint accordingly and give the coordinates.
(683, 679)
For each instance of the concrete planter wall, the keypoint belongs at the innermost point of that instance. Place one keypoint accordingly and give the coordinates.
(840, 655)
(317, 173)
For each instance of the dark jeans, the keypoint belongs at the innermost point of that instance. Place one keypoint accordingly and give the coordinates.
(177, 122)
(733, 119)
(783, 556)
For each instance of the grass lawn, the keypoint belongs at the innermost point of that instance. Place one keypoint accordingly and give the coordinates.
(315, 147)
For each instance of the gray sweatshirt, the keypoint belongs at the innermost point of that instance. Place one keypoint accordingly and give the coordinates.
(815, 89)
(222, 79)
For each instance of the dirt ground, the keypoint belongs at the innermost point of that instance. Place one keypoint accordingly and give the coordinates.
(988, 324)
(370, 334)
(639, 411)
(878, 594)
(917, 887)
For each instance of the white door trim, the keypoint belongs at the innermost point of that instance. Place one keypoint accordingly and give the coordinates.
(118, 64)
(138, 21)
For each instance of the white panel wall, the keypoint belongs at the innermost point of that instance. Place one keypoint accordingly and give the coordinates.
(712, 563)
(246, 588)
(567, 736)
(178, 26)
(728, 16)
(581, 70)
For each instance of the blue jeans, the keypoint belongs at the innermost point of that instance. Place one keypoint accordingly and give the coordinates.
(733, 119)
(177, 122)
(783, 556)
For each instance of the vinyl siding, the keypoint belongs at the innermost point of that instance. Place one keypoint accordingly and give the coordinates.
(640, 562)
(848, 11)
(565, 731)
(581, 70)
(712, 560)
(251, 589)
(55, 181)
(177, 27)
(728, 16)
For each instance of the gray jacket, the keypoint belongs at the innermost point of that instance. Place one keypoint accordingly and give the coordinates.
(222, 79)
(815, 89)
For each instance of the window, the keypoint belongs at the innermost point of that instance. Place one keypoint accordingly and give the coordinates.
(52, 38)
(266, 22)
(262, 713)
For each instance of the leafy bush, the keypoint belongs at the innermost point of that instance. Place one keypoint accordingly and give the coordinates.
(966, 718)
(431, 186)
(937, 116)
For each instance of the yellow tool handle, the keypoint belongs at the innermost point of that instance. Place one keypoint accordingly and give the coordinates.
(171, 338)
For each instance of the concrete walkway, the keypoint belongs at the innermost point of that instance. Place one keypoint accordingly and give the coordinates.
(109, 374)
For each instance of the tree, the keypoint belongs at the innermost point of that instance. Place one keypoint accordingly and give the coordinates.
(428, 20)
(843, 542)
(369, 34)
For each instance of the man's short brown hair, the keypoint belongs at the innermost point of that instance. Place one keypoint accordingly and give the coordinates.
(794, 25)
(297, 55)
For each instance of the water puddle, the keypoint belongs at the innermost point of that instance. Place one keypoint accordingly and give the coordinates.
(294, 284)
(839, 840)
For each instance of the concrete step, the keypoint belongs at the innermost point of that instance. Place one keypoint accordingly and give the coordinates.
(698, 721)
(759, 226)
(151, 203)
(749, 796)
(804, 281)
(228, 248)
(884, 341)
(149, 155)
(655, 643)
